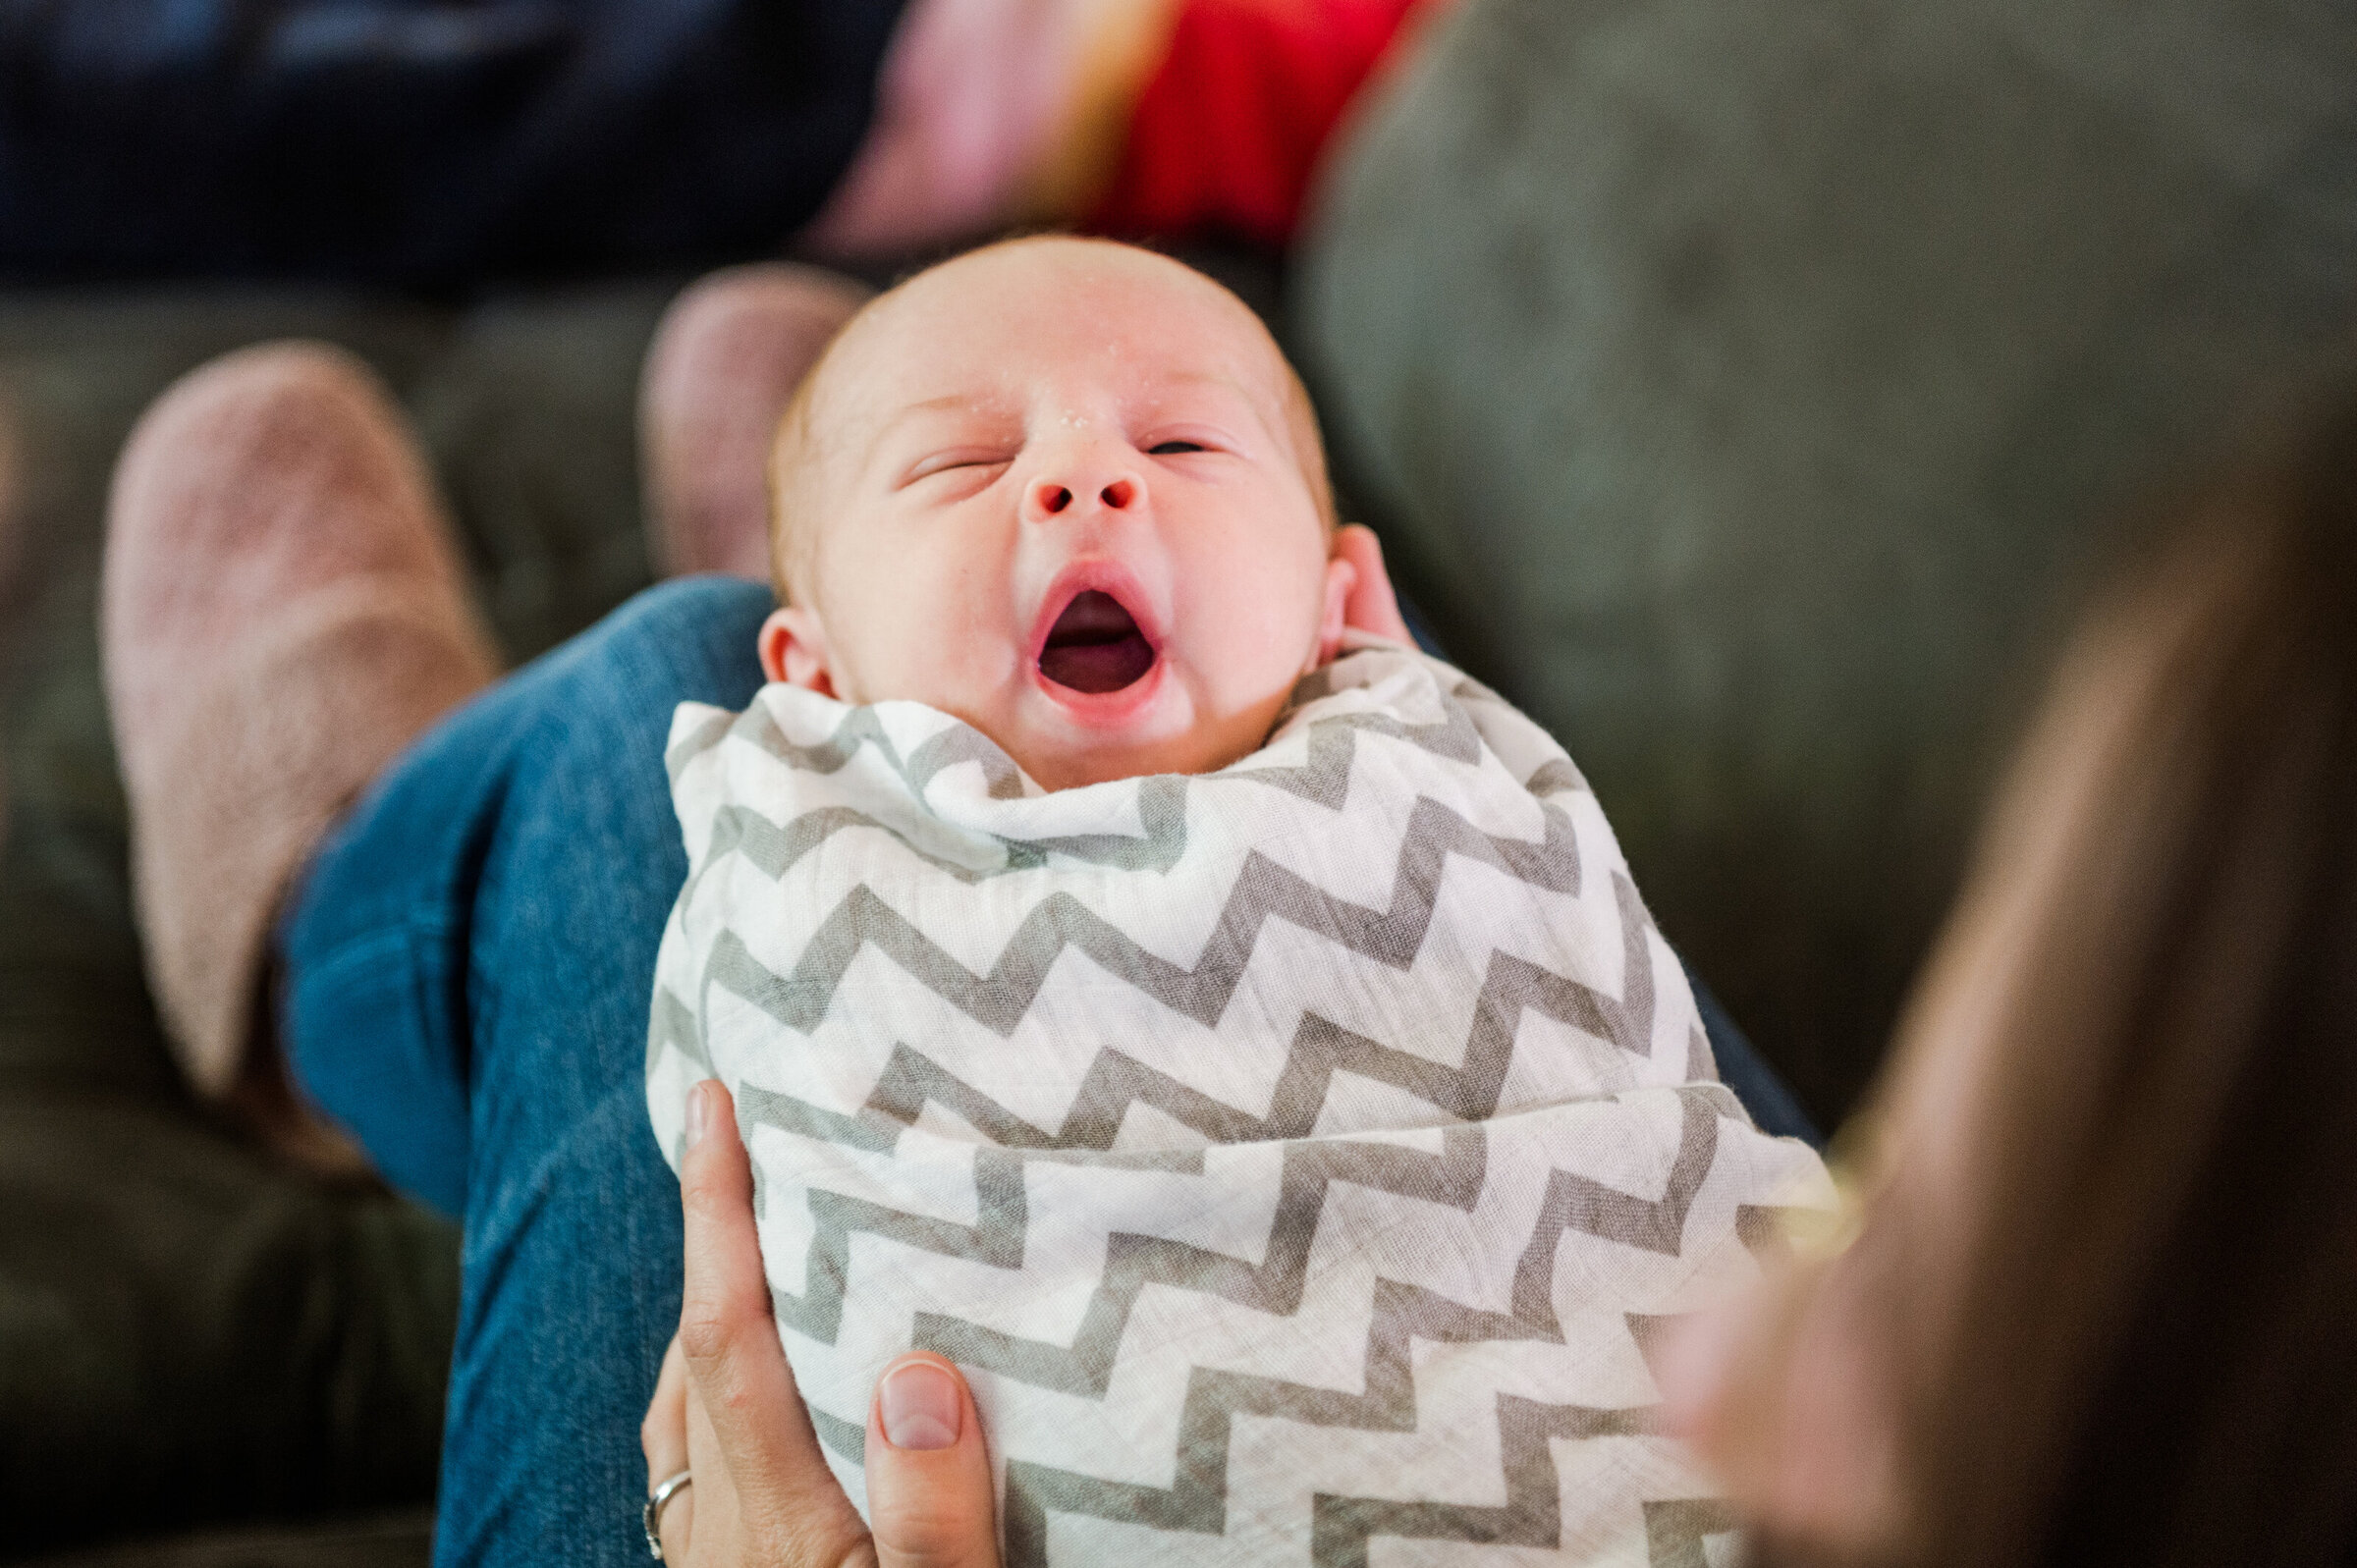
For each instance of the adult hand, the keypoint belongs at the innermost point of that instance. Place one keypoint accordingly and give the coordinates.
(726, 1408)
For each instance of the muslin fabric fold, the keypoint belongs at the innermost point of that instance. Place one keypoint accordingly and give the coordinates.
(1301, 1159)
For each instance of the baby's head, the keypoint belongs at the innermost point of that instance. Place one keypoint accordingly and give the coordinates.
(1071, 493)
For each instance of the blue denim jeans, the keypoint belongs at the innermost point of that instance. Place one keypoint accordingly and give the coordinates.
(467, 975)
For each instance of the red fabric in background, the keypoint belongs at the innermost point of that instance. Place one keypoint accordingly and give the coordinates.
(1230, 128)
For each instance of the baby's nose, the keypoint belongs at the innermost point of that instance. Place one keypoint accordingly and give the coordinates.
(1051, 496)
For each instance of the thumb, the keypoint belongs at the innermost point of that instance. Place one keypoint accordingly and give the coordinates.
(928, 1474)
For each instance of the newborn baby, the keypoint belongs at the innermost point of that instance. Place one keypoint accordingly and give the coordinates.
(1229, 1034)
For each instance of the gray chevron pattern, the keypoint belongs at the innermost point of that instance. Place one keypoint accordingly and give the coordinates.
(1348, 1090)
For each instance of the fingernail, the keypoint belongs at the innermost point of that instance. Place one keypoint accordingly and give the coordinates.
(699, 1114)
(920, 1406)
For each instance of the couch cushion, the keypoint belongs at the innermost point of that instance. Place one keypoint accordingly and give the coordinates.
(386, 1540)
(189, 1333)
(1742, 388)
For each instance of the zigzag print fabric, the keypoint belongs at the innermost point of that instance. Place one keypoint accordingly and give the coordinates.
(1301, 1159)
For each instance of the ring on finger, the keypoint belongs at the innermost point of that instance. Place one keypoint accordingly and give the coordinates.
(652, 1515)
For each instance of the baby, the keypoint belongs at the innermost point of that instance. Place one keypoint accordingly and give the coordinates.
(1071, 493)
(1229, 1034)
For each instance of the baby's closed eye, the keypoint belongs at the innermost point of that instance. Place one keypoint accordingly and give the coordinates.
(954, 460)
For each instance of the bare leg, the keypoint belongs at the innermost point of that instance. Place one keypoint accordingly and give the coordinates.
(282, 611)
(722, 366)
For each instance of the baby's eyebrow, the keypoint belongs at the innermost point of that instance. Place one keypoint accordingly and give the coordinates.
(988, 405)
(947, 403)
(1269, 415)
(1219, 380)
(1207, 378)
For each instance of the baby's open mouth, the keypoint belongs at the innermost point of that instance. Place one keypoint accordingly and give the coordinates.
(1095, 646)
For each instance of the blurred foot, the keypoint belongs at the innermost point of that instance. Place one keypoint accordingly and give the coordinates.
(282, 611)
(723, 364)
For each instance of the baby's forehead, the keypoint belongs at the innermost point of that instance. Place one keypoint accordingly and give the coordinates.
(984, 327)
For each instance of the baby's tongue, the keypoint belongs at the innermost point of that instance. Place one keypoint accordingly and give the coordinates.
(1095, 646)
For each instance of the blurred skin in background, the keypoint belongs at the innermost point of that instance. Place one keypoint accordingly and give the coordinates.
(2094, 1306)
(1134, 117)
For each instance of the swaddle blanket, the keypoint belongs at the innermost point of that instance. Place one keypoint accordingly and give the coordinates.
(1298, 1159)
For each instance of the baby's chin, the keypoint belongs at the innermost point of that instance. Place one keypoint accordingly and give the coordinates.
(1065, 768)
(1063, 754)
(1064, 744)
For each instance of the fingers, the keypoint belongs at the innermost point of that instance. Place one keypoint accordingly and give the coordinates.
(727, 1399)
(928, 1473)
(779, 1490)
(726, 1331)
(663, 1438)
(663, 1435)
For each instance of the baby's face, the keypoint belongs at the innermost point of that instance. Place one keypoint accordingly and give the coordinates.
(1064, 492)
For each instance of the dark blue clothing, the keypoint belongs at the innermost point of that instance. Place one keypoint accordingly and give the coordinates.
(1773, 1105)
(427, 142)
(468, 976)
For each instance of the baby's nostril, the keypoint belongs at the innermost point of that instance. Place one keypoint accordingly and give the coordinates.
(1117, 495)
(1053, 497)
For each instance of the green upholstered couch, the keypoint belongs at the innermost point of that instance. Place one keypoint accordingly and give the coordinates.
(1745, 389)
(1752, 391)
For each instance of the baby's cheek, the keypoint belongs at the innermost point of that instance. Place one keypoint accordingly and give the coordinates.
(941, 633)
(960, 652)
(1265, 631)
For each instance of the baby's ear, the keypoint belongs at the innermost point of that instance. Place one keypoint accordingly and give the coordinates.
(1369, 603)
(1341, 577)
(793, 644)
